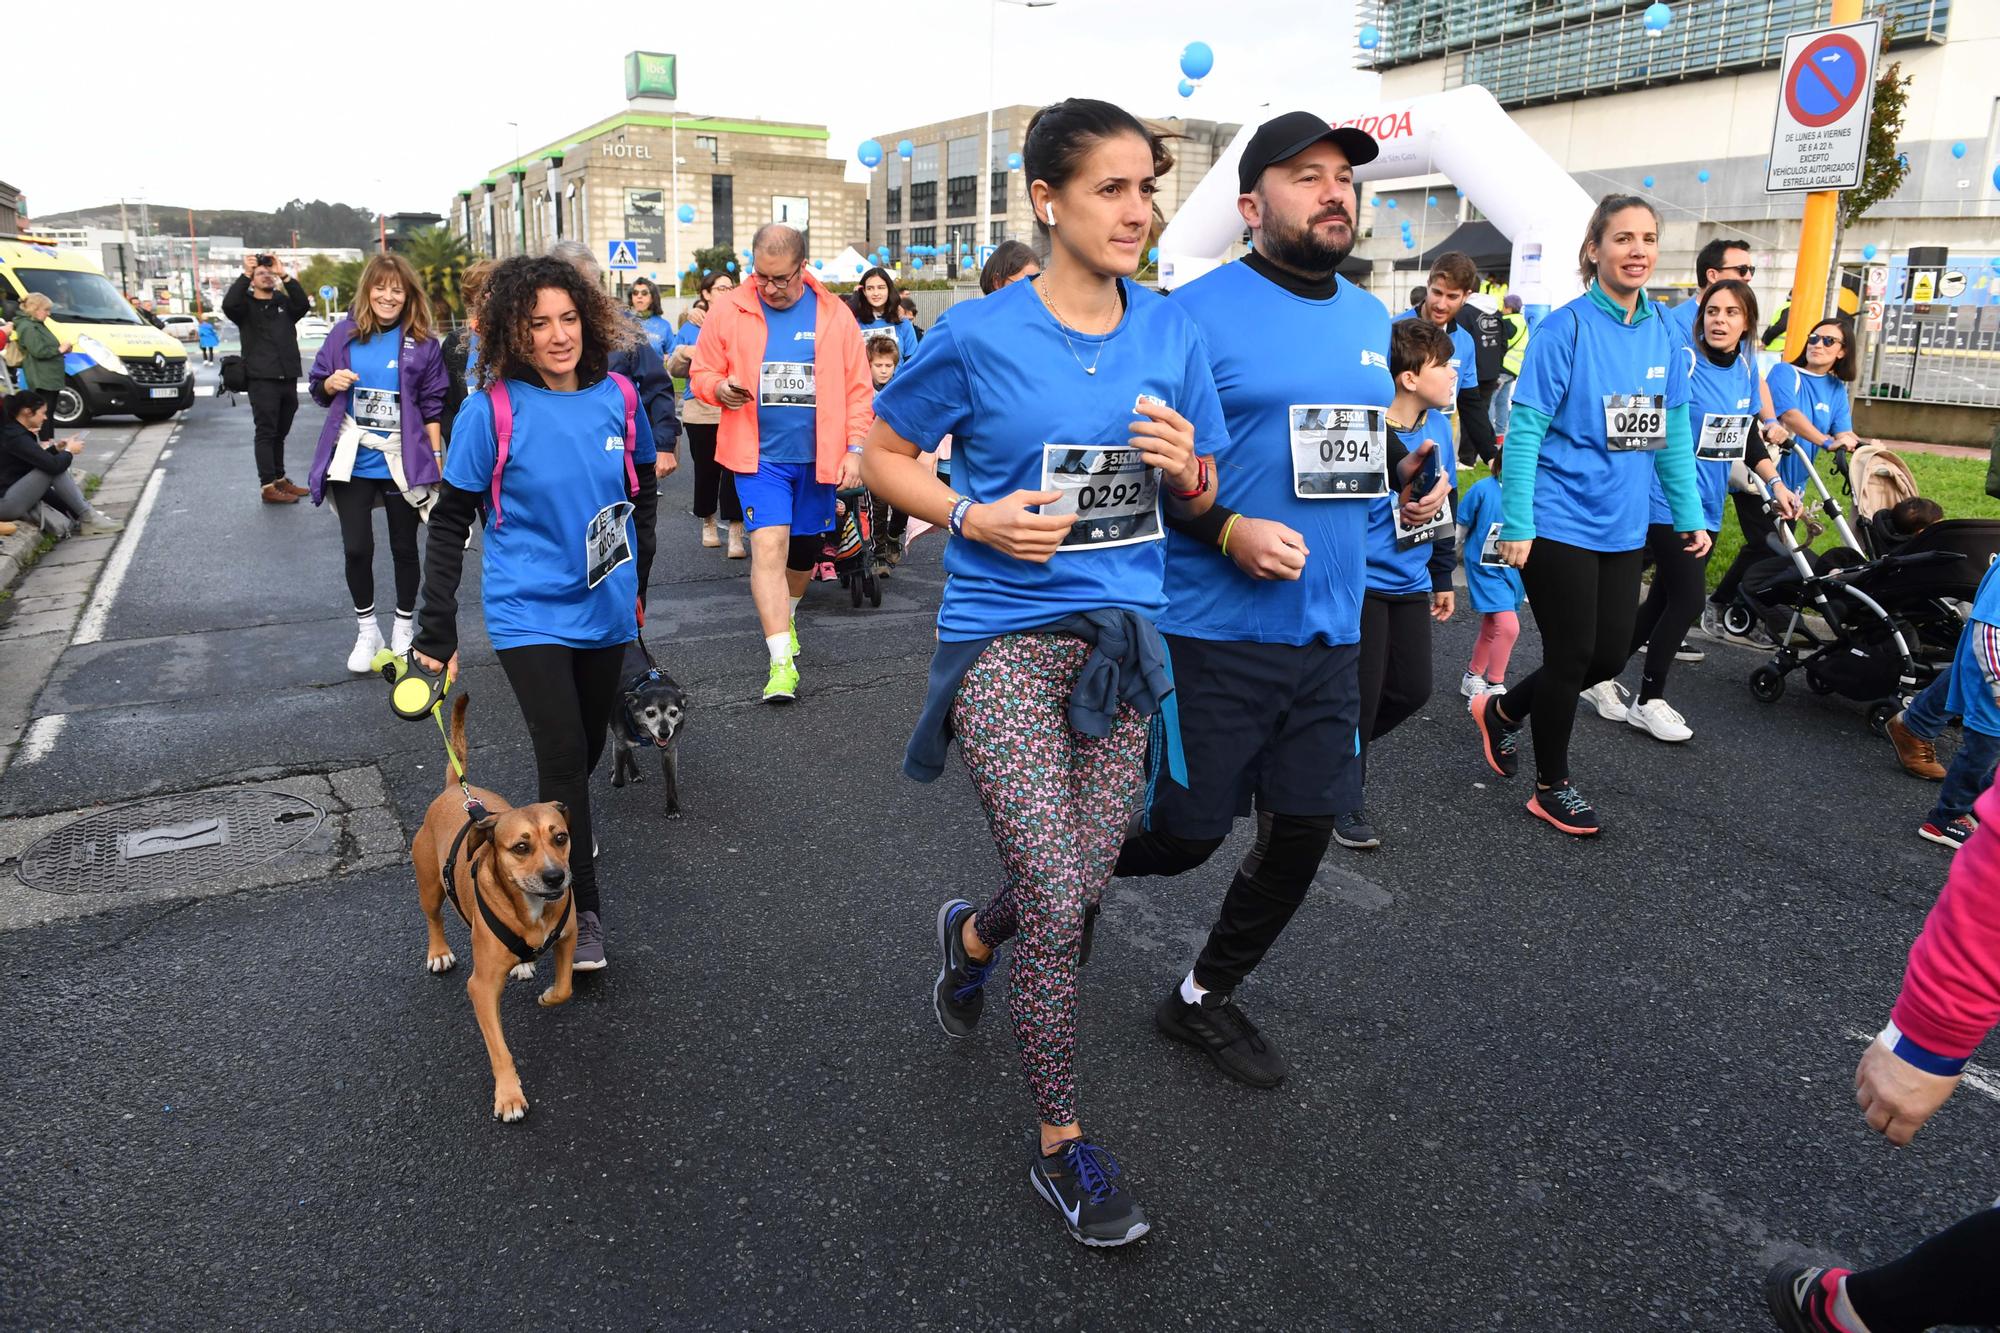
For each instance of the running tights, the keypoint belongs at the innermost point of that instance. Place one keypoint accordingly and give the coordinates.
(804, 551)
(1057, 802)
(1949, 1279)
(1395, 666)
(714, 484)
(1497, 632)
(354, 502)
(1671, 607)
(566, 697)
(1268, 888)
(1585, 603)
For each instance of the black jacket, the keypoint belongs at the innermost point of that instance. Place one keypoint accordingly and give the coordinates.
(269, 328)
(21, 453)
(647, 370)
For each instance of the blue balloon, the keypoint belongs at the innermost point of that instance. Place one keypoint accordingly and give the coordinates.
(685, 213)
(1185, 88)
(1371, 37)
(905, 149)
(731, 266)
(1658, 16)
(705, 272)
(1013, 161)
(857, 268)
(1702, 176)
(1197, 60)
(916, 263)
(1153, 255)
(870, 154)
(1392, 203)
(1409, 244)
(1867, 252)
(819, 263)
(1903, 161)
(1431, 201)
(1648, 182)
(1996, 178)
(1958, 149)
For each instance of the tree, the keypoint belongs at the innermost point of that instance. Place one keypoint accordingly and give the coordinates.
(1884, 167)
(440, 259)
(342, 276)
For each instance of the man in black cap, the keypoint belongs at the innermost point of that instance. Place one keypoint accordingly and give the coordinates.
(1264, 594)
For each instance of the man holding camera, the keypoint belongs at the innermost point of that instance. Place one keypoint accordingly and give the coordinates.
(266, 305)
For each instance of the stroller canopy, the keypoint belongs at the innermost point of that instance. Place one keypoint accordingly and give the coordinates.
(1878, 479)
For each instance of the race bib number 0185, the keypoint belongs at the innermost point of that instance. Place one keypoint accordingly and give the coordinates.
(1634, 421)
(1113, 494)
(1722, 438)
(786, 384)
(1339, 451)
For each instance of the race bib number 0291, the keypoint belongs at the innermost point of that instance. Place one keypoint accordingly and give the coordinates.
(1113, 494)
(786, 384)
(1634, 421)
(1339, 451)
(1722, 438)
(377, 411)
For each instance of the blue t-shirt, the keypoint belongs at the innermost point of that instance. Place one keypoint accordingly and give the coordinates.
(1272, 349)
(788, 433)
(1728, 391)
(1682, 318)
(904, 332)
(565, 467)
(1489, 588)
(689, 335)
(1464, 358)
(1970, 696)
(1586, 494)
(1008, 385)
(1822, 399)
(375, 399)
(659, 332)
(1390, 570)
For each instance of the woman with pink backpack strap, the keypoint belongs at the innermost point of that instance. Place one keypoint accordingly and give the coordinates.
(555, 451)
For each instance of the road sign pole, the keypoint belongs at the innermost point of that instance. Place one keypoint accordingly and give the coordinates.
(1816, 232)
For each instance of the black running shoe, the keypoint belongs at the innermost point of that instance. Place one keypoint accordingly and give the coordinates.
(1090, 911)
(960, 995)
(1564, 806)
(1078, 1181)
(1500, 741)
(1354, 830)
(1219, 1027)
(1801, 1299)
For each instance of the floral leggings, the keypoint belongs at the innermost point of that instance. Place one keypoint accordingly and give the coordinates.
(1057, 802)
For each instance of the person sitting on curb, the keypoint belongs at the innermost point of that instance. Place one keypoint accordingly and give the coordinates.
(33, 474)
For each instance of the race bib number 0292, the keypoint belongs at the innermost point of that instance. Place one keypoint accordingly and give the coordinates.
(786, 384)
(1722, 438)
(1339, 451)
(1113, 494)
(1634, 421)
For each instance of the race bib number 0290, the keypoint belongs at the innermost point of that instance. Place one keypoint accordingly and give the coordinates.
(1113, 494)
(786, 384)
(1634, 421)
(1722, 438)
(1339, 451)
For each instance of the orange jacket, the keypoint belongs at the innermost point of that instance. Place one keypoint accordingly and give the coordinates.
(732, 347)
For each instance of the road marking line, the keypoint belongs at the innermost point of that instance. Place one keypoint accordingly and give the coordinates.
(90, 629)
(1977, 1077)
(40, 738)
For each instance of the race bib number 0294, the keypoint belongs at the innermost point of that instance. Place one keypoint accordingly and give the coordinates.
(1339, 451)
(1634, 421)
(1113, 494)
(1722, 438)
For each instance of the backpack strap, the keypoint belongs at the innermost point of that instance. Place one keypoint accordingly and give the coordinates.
(631, 397)
(503, 430)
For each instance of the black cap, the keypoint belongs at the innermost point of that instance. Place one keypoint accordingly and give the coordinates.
(1291, 134)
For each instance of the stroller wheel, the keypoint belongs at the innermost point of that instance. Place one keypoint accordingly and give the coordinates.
(1879, 714)
(1767, 685)
(854, 589)
(874, 591)
(1815, 684)
(1737, 619)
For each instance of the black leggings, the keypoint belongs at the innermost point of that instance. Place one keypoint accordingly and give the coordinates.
(1267, 889)
(1949, 1279)
(354, 501)
(1395, 666)
(803, 554)
(1758, 526)
(566, 697)
(1672, 604)
(1585, 603)
(713, 483)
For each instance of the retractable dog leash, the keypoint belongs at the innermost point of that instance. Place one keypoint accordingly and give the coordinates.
(416, 693)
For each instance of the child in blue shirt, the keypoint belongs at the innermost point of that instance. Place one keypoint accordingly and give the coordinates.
(1493, 587)
(1971, 692)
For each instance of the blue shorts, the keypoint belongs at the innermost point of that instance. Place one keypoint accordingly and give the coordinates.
(785, 495)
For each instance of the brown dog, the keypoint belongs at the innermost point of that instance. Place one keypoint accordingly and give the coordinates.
(509, 876)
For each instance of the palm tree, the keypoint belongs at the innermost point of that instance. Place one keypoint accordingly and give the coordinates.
(440, 259)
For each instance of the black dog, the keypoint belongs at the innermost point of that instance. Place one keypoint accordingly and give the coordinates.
(650, 712)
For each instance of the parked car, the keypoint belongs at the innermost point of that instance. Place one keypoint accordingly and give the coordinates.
(117, 363)
(185, 327)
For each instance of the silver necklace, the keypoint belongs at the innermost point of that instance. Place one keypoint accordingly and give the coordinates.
(1062, 327)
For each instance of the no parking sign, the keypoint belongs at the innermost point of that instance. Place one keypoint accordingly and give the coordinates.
(1826, 89)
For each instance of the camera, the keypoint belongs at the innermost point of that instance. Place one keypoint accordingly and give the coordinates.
(267, 261)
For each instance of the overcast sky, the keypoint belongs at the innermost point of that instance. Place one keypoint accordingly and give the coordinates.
(195, 106)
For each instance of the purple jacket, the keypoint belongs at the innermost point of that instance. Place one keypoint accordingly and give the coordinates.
(421, 381)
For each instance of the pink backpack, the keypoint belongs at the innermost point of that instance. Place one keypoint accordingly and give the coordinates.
(503, 428)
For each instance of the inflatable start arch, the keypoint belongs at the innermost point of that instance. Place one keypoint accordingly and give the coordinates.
(1462, 133)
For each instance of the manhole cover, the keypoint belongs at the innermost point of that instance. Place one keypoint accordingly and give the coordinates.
(189, 838)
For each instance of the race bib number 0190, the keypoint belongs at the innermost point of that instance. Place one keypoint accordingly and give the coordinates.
(786, 384)
(1113, 494)
(1339, 451)
(1722, 438)
(1634, 421)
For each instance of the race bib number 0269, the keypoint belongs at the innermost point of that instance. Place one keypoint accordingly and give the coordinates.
(786, 384)
(1722, 438)
(1634, 421)
(1339, 451)
(1113, 494)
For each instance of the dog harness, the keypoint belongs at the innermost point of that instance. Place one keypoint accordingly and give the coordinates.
(653, 675)
(501, 930)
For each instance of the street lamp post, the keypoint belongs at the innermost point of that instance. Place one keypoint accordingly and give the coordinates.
(986, 169)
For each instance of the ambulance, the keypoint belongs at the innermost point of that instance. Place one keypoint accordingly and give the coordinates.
(117, 362)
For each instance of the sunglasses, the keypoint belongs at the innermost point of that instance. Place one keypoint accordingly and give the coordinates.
(1743, 271)
(1829, 339)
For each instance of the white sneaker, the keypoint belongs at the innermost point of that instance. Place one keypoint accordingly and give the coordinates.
(1472, 685)
(404, 634)
(1608, 698)
(366, 644)
(1657, 718)
(1687, 652)
(1711, 622)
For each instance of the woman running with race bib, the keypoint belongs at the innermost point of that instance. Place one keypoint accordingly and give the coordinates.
(1601, 407)
(1076, 404)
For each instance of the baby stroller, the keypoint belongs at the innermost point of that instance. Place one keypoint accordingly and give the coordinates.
(1883, 628)
(1742, 615)
(1879, 481)
(853, 547)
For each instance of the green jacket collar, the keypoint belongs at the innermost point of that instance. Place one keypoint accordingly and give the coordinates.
(1641, 312)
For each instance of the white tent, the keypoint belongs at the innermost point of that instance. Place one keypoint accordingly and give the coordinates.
(846, 266)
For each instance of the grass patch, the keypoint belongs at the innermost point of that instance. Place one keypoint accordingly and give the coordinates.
(91, 481)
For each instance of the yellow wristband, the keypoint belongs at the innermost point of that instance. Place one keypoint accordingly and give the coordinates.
(1226, 529)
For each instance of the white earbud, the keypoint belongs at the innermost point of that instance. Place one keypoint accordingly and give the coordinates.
(1051, 210)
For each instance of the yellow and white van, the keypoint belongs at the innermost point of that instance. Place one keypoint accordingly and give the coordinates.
(117, 362)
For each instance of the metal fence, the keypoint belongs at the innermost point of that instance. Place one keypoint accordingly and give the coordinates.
(1932, 354)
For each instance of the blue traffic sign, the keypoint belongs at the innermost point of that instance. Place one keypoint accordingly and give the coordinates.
(327, 293)
(621, 255)
(1827, 80)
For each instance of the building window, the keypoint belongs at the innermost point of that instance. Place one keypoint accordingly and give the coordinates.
(996, 164)
(996, 233)
(722, 209)
(923, 201)
(895, 247)
(923, 236)
(895, 203)
(961, 163)
(705, 143)
(924, 165)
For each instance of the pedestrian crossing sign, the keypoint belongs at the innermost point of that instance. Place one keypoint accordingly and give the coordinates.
(624, 255)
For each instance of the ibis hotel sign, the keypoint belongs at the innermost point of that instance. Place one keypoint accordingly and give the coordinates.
(651, 74)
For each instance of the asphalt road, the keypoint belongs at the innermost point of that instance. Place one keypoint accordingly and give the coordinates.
(1540, 1084)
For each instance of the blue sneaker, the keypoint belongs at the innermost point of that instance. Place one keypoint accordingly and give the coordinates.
(1077, 1180)
(960, 994)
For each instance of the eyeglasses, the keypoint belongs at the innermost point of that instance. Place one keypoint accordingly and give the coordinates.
(1743, 271)
(1830, 339)
(780, 283)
